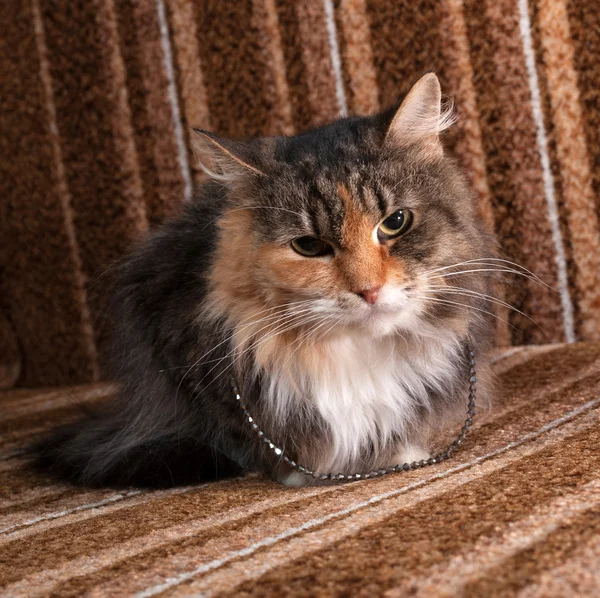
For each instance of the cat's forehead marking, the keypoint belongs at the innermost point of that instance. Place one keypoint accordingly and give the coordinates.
(356, 224)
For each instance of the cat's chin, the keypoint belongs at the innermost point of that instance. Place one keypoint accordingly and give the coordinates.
(381, 322)
(379, 327)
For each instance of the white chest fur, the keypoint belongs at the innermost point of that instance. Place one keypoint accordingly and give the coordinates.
(369, 391)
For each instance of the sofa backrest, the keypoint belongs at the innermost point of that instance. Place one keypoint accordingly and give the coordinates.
(98, 99)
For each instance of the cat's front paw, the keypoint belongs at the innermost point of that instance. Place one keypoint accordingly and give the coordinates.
(294, 479)
(408, 453)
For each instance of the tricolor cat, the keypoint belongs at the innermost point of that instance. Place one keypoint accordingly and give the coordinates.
(337, 276)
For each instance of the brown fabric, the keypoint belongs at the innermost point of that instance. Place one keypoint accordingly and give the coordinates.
(356, 52)
(148, 93)
(99, 98)
(509, 136)
(584, 25)
(544, 85)
(227, 35)
(518, 503)
(567, 113)
(41, 282)
(10, 360)
(296, 72)
(94, 124)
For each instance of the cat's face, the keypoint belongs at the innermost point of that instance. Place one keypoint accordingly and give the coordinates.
(348, 227)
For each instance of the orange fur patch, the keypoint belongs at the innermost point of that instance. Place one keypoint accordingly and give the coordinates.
(251, 280)
(248, 279)
(363, 263)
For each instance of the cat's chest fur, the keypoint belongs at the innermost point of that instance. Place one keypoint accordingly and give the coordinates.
(368, 391)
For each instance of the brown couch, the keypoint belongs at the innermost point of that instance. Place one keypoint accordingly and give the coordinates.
(97, 98)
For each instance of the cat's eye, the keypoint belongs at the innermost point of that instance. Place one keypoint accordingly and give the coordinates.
(395, 224)
(311, 246)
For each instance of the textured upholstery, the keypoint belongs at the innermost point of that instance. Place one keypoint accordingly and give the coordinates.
(96, 101)
(98, 98)
(516, 509)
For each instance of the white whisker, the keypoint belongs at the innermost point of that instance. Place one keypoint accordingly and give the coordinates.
(278, 309)
(495, 263)
(304, 337)
(288, 325)
(489, 261)
(280, 321)
(469, 292)
(489, 313)
(291, 316)
(491, 270)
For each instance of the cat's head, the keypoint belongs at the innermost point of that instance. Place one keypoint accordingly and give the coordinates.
(349, 225)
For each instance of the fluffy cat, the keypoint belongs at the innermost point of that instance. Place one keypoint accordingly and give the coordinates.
(326, 274)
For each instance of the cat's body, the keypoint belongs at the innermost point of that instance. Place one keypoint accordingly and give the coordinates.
(346, 354)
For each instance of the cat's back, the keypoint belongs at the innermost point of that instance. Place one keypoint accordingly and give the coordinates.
(178, 252)
(159, 288)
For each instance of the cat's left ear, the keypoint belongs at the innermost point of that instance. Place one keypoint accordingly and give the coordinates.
(225, 160)
(420, 119)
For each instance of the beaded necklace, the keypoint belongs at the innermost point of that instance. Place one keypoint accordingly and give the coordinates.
(441, 456)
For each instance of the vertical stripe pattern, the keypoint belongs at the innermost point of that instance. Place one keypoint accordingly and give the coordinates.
(574, 160)
(340, 92)
(173, 99)
(357, 57)
(469, 145)
(191, 90)
(514, 170)
(39, 265)
(536, 107)
(100, 98)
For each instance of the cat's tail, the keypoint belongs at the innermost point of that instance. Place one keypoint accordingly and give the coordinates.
(100, 451)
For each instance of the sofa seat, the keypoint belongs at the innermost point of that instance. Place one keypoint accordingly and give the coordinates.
(515, 511)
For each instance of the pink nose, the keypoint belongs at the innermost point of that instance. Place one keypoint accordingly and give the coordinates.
(370, 295)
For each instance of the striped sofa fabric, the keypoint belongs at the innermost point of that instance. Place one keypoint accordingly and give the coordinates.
(97, 101)
(516, 511)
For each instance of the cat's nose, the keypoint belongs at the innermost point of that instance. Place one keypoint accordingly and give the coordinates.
(370, 295)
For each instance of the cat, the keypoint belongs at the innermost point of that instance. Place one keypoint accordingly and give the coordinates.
(323, 273)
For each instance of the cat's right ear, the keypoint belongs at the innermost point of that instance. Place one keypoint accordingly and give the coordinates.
(421, 118)
(224, 160)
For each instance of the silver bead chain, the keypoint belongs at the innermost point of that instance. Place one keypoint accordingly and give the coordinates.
(344, 477)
